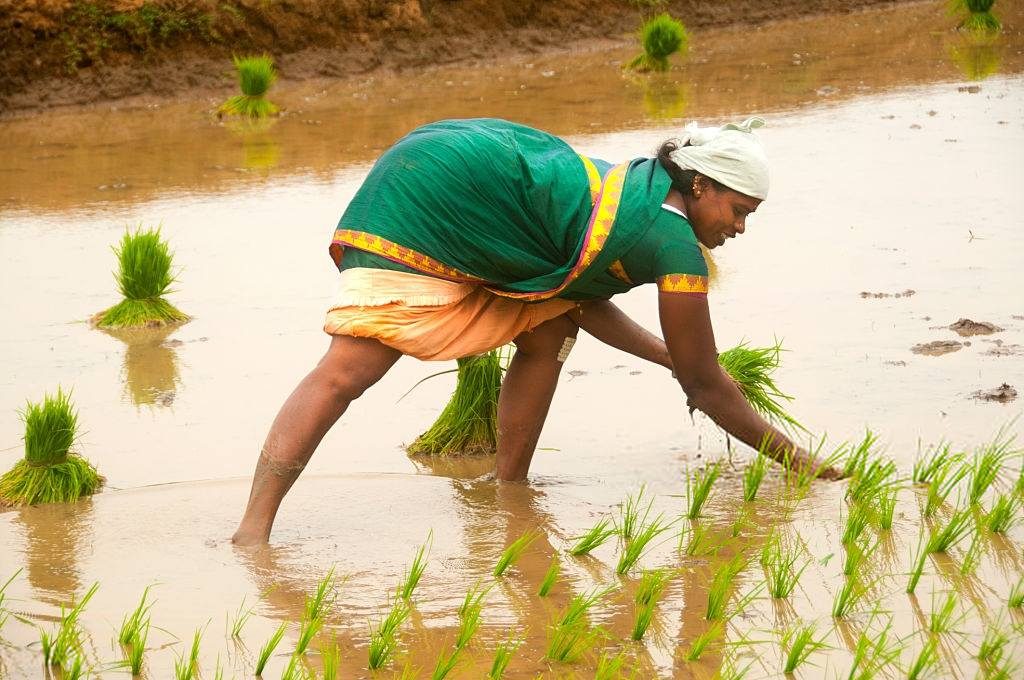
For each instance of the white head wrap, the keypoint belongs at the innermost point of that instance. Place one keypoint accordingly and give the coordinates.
(731, 154)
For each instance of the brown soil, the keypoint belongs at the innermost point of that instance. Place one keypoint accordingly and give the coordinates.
(936, 347)
(867, 294)
(60, 52)
(1004, 393)
(965, 328)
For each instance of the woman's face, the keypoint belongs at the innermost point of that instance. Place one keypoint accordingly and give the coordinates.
(717, 214)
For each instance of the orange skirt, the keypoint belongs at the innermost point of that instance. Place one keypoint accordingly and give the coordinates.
(429, 318)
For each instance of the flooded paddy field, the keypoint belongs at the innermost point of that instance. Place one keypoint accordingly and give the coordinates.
(897, 148)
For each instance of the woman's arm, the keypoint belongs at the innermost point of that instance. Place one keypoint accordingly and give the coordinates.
(606, 322)
(686, 323)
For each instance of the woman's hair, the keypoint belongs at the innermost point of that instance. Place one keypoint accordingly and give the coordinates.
(682, 180)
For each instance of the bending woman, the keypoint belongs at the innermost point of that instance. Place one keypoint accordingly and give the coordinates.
(470, 234)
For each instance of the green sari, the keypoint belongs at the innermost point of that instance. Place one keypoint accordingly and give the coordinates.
(503, 205)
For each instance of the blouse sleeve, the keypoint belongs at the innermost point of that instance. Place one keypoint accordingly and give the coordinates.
(679, 267)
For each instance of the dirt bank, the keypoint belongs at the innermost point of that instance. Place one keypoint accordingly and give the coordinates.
(60, 52)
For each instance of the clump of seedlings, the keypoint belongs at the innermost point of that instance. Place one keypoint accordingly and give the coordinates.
(65, 643)
(860, 454)
(610, 667)
(330, 660)
(144, 277)
(751, 368)
(779, 562)
(856, 553)
(701, 642)
(134, 622)
(857, 519)
(848, 598)
(946, 478)
(242, 617)
(721, 589)
(137, 649)
(384, 638)
(571, 636)
(698, 488)
(550, 577)
(468, 424)
(469, 614)
(870, 479)
(1016, 598)
(187, 667)
(754, 473)
(799, 643)
(1004, 513)
(935, 458)
(49, 472)
(316, 608)
(987, 464)
(874, 651)
(943, 617)
(660, 37)
(446, 664)
(255, 76)
(926, 661)
(634, 547)
(700, 541)
(648, 593)
(415, 572)
(515, 550)
(979, 17)
(972, 558)
(993, 645)
(268, 648)
(595, 537)
(502, 656)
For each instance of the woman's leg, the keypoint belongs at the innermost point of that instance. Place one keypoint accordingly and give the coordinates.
(526, 394)
(349, 367)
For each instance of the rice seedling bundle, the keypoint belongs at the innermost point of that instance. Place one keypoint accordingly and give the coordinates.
(698, 488)
(550, 576)
(255, 76)
(143, 276)
(799, 643)
(856, 553)
(848, 598)
(860, 454)
(920, 555)
(502, 656)
(1004, 514)
(268, 648)
(660, 37)
(936, 458)
(648, 593)
(779, 562)
(979, 18)
(751, 368)
(972, 558)
(241, 617)
(384, 639)
(295, 670)
(609, 667)
(926, 661)
(701, 642)
(886, 507)
(49, 472)
(187, 667)
(949, 534)
(415, 572)
(595, 537)
(74, 669)
(571, 636)
(857, 519)
(468, 424)
(137, 649)
(699, 542)
(873, 652)
(515, 550)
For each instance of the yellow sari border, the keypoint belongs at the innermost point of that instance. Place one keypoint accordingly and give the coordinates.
(683, 283)
(593, 178)
(361, 240)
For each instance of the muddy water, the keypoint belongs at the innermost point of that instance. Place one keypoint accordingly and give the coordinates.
(895, 168)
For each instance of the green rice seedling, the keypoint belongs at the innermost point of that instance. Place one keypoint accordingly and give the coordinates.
(874, 477)
(648, 593)
(943, 481)
(255, 76)
(660, 37)
(132, 623)
(581, 603)
(856, 553)
(886, 508)
(49, 471)
(609, 667)
(144, 277)
(384, 638)
(308, 628)
(754, 474)
(800, 474)
(699, 543)
(74, 669)
(701, 642)
(241, 617)
(515, 550)
(630, 517)
(920, 555)
(66, 640)
(779, 563)
(503, 655)
(4, 614)
(566, 644)
(187, 667)
(698, 488)
(330, 660)
(1004, 514)
(730, 668)
(721, 586)
(857, 520)
(987, 464)
(993, 644)
(468, 423)
(979, 17)
(926, 661)
(972, 558)
(416, 569)
(469, 614)
(949, 534)
(596, 536)
(799, 643)
(445, 664)
(137, 648)
(874, 651)
(295, 670)
(943, 616)
(268, 648)
(320, 603)
(751, 368)
(635, 548)
(859, 455)
(550, 576)
(934, 459)
(848, 598)
(1016, 599)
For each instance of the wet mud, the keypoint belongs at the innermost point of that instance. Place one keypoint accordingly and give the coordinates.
(937, 348)
(966, 328)
(1003, 394)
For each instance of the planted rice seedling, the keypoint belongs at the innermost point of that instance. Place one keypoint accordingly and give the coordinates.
(635, 548)
(800, 474)
(886, 508)
(75, 668)
(926, 661)
(502, 656)
(571, 636)
(857, 519)
(730, 668)
(698, 488)
(920, 556)
(268, 648)
(550, 576)
(468, 423)
(384, 638)
(187, 667)
(751, 368)
(988, 462)
(935, 458)
(1016, 599)
(137, 649)
(322, 601)
(255, 76)
(609, 667)
(295, 670)
(701, 642)
(943, 616)
(515, 550)
(993, 645)
(415, 572)
(648, 593)
(848, 598)
(59, 647)
(445, 664)
(949, 534)
(699, 543)
(308, 628)
(873, 478)
(859, 455)
(779, 562)
(241, 617)
(856, 553)
(978, 16)
(721, 586)
(1004, 514)
(3, 609)
(330, 660)
(132, 623)
(944, 480)
(596, 536)
(972, 558)
(144, 277)
(799, 643)
(49, 472)
(873, 652)
(754, 474)
(630, 518)
(469, 614)
(660, 37)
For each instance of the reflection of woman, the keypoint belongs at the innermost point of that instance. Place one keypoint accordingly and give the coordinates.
(469, 234)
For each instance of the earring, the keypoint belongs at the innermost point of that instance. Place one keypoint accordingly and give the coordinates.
(696, 190)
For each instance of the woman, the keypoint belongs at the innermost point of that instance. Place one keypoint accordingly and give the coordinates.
(469, 234)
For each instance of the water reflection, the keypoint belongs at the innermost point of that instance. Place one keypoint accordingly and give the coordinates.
(55, 535)
(260, 149)
(664, 97)
(977, 55)
(150, 367)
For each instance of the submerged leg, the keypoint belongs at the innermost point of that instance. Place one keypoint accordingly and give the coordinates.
(349, 367)
(526, 394)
